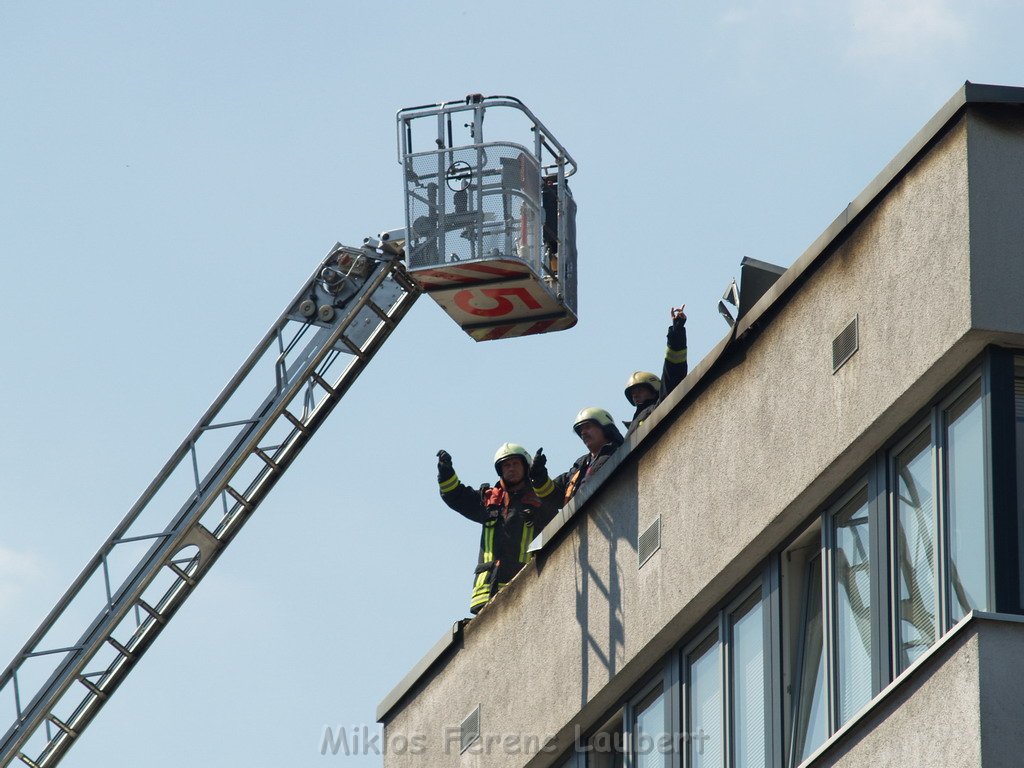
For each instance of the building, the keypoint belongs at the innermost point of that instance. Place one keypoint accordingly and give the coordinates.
(809, 555)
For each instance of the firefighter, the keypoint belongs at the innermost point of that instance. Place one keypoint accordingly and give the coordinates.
(644, 390)
(512, 513)
(597, 430)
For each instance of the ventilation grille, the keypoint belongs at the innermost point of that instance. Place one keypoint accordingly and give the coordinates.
(1018, 389)
(470, 730)
(649, 542)
(844, 345)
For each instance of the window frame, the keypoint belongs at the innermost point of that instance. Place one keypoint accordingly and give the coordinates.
(941, 446)
(771, 582)
(831, 597)
(757, 594)
(921, 427)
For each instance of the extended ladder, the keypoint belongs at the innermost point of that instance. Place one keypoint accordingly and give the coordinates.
(196, 505)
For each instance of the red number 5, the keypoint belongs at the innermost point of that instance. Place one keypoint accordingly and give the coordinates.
(501, 305)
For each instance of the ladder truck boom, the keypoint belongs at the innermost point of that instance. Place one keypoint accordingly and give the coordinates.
(490, 235)
(264, 416)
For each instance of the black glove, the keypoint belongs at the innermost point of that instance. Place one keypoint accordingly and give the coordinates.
(676, 336)
(444, 466)
(539, 468)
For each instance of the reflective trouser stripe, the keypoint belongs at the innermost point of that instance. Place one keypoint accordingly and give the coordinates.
(481, 586)
(525, 543)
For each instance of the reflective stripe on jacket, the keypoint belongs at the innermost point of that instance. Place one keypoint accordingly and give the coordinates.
(510, 521)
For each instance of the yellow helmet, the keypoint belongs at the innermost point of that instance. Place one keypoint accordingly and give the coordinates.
(642, 378)
(507, 450)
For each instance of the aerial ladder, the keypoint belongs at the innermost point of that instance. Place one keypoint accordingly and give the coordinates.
(490, 235)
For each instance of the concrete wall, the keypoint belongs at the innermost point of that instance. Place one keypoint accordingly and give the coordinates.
(740, 468)
(997, 223)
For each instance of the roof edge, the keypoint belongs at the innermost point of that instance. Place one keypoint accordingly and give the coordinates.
(424, 665)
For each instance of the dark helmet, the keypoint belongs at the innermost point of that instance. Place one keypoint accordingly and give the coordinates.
(642, 378)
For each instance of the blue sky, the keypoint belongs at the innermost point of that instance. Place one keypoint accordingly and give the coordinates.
(171, 173)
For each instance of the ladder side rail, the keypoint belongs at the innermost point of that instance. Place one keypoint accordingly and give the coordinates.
(257, 491)
(262, 484)
(166, 544)
(183, 450)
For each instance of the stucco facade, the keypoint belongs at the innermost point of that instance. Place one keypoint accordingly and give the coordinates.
(930, 262)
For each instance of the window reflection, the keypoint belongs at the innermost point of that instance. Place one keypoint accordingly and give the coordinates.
(967, 510)
(749, 713)
(704, 694)
(812, 698)
(651, 746)
(915, 551)
(852, 575)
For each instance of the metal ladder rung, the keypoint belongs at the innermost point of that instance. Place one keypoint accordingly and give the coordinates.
(181, 574)
(121, 649)
(388, 321)
(323, 382)
(93, 688)
(353, 347)
(296, 422)
(159, 617)
(239, 497)
(62, 725)
(266, 458)
(27, 760)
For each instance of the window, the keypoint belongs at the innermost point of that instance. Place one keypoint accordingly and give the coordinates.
(851, 595)
(811, 722)
(914, 535)
(966, 504)
(705, 742)
(749, 714)
(907, 549)
(652, 745)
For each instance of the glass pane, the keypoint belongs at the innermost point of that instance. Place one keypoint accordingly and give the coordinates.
(748, 701)
(968, 514)
(852, 567)
(653, 745)
(706, 745)
(812, 699)
(915, 551)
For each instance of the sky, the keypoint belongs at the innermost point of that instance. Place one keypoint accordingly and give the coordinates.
(170, 175)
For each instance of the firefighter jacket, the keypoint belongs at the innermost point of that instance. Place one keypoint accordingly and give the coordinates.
(568, 483)
(673, 371)
(510, 520)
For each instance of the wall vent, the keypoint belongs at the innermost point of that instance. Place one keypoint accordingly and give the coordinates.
(844, 345)
(649, 541)
(470, 730)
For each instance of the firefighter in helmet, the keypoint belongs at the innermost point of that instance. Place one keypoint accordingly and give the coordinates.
(596, 428)
(512, 512)
(644, 390)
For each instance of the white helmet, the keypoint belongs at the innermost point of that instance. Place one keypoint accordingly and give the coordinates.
(507, 450)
